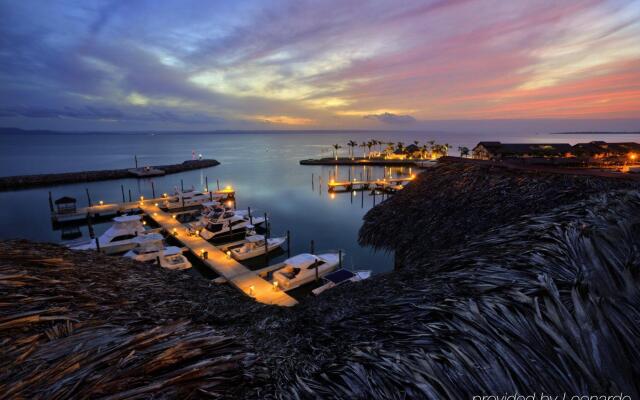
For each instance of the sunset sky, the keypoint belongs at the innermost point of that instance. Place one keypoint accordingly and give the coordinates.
(205, 65)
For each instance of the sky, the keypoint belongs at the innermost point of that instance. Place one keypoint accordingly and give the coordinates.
(219, 65)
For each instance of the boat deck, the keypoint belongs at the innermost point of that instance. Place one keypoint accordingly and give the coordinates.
(368, 184)
(249, 282)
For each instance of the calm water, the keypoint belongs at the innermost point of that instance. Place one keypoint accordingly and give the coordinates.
(262, 167)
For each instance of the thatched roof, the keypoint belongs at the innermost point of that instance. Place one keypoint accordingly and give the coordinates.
(548, 302)
(452, 201)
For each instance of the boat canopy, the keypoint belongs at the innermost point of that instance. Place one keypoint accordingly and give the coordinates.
(255, 238)
(149, 238)
(340, 275)
(172, 251)
(127, 218)
(302, 260)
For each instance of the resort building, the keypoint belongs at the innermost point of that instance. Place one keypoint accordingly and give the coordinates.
(500, 151)
(599, 151)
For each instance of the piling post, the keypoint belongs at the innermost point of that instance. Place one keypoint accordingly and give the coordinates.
(312, 247)
(349, 174)
(98, 244)
(153, 190)
(210, 196)
(181, 185)
(374, 197)
(250, 216)
(206, 183)
(362, 199)
(122, 190)
(158, 260)
(129, 195)
(135, 157)
(266, 224)
(88, 196)
(288, 244)
(313, 177)
(50, 203)
(218, 183)
(339, 259)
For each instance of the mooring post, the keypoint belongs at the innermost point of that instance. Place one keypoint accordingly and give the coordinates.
(90, 227)
(88, 196)
(313, 177)
(374, 197)
(153, 190)
(266, 224)
(158, 260)
(129, 195)
(50, 203)
(181, 186)
(206, 183)
(250, 217)
(362, 199)
(122, 190)
(210, 196)
(218, 183)
(288, 244)
(349, 174)
(339, 259)
(135, 157)
(98, 243)
(312, 247)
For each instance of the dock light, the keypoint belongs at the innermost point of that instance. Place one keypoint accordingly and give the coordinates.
(229, 204)
(228, 254)
(141, 198)
(228, 188)
(174, 216)
(144, 222)
(633, 156)
(175, 232)
(354, 192)
(275, 286)
(252, 290)
(332, 181)
(156, 204)
(155, 214)
(101, 202)
(332, 195)
(164, 195)
(202, 253)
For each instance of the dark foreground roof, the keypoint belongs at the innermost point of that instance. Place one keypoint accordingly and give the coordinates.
(65, 200)
(527, 148)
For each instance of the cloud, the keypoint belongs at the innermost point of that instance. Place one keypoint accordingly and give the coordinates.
(390, 118)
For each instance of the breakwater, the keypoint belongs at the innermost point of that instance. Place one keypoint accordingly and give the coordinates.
(30, 181)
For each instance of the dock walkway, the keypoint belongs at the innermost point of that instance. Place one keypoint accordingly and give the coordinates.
(235, 273)
(366, 184)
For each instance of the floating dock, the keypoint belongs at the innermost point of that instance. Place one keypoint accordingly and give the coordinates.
(232, 271)
(356, 184)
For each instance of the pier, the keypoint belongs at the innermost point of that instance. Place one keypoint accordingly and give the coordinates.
(356, 184)
(232, 271)
(104, 210)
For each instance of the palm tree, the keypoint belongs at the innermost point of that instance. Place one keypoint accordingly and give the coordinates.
(464, 151)
(380, 143)
(351, 145)
(363, 145)
(336, 147)
(425, 149)
(369, 146)
(400, 146)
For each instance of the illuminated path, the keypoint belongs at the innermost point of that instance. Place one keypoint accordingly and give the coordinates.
(235, 273)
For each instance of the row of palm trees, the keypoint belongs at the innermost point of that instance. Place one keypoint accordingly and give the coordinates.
(430, 149)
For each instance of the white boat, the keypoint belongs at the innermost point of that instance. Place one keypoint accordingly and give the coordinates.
(172, 258)
(224, 228)
(254, 246)
(305, 268)
(120, 237)
(149, 248)
(339, 277)
(218, 213)
(190, 198)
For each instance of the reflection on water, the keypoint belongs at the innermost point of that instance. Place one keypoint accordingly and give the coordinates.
(262, 167)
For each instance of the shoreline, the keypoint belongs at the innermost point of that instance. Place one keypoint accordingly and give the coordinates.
(19, 182)
(365, 161)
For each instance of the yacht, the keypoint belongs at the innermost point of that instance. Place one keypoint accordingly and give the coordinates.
(119, 238)
(189, 198)
(254, 246)
(172, 258)
(224, 229)
(217, 213)
(339, 277)
(305, 268)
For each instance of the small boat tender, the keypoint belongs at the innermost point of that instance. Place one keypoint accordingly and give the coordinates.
(339, 277)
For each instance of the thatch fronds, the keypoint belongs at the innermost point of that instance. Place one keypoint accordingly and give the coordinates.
(84, 325)
(454, 201)
(549, 304)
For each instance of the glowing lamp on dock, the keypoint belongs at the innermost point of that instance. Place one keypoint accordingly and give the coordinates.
(633, 156)
(155, 214)
(252, 290)
(228, 254)
(144, 222)
(202, 253)
(174, 216)
(141, 198)
(156, 204)
(101, 202)
(164, 195)
(175, 232)
(275, 286)
(229, 204)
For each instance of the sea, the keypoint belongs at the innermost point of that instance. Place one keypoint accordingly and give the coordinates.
(263, 168)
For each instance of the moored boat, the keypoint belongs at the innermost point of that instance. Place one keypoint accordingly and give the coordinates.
(305, 268)
(119, 238)
(340, 277)
(255, 246)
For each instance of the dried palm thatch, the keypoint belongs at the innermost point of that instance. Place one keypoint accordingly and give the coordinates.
(454, 201)
(549, 304)
(83, 325)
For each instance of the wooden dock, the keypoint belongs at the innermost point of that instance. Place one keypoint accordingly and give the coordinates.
(249, 282)
(102, 210)
(357, 184)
